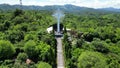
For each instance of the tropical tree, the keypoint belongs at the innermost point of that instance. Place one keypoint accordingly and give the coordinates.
(30, 49)
(43, 65)
(6, 49)
(91, 60)
(22, 57)
(44, 51)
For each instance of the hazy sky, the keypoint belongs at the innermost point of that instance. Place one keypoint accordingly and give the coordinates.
(85, 3)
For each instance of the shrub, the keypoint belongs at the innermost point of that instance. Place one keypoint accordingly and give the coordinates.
(100, 46)
(113, 60)
(6, 49)
(30, 49)
(22, 56)
(19, 64)
(30, 37)
(43, 65)
(44, 51)
(91, 60)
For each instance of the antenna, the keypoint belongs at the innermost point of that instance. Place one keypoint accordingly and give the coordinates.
(21, 2)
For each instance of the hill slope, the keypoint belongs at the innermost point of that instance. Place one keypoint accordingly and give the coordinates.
(65, 8)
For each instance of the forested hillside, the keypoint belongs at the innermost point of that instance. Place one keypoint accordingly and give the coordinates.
(66, 8)
(23, 36)
(93, 42)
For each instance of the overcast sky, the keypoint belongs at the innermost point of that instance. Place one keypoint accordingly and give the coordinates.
(85, 3)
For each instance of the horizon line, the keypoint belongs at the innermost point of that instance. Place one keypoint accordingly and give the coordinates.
(59, 5)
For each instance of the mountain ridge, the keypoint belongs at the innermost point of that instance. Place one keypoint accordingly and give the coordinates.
(67, 8)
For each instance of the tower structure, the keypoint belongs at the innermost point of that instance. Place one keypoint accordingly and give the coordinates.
(21, 2)
(58, 15)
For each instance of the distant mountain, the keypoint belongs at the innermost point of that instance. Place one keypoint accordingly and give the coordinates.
(110, 9)
(65, 8)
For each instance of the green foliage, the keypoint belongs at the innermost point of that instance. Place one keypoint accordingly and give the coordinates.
(6, 49)
(89, 37)
(43, 65)
(15, 36)
(113, 60)
(30, 37)
(2, 36)
(75, 54)
(97, 45)
(26, 30)
(19, 64)
(18, 12)
(88, 46)
(8, 63)
(30, 49)
(100, 46)
(67, 46)
(5, 25)
(115, 50)
(79, 43)
(118, 44)
(3, 66)
(43, 51)
(18, 20)
(22, 57)
(118, 33)
(114, 64)
(91, 60)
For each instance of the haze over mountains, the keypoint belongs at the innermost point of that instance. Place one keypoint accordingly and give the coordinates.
(66, 8)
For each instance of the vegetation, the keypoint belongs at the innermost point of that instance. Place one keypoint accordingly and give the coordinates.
(24, 41)
(93, 42)
(43, 65)
(6, 49)
(91, 59)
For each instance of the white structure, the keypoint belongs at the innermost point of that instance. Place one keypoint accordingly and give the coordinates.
(67, 29)
(58, 15)
(50, 29)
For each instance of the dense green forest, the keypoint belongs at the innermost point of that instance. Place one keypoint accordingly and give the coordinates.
(23, 36)
(93, 42)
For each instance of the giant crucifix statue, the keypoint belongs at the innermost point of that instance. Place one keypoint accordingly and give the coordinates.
(58, 15)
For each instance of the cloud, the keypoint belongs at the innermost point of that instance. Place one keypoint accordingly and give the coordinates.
(100, 3)
(9, 1)
(85, 3)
